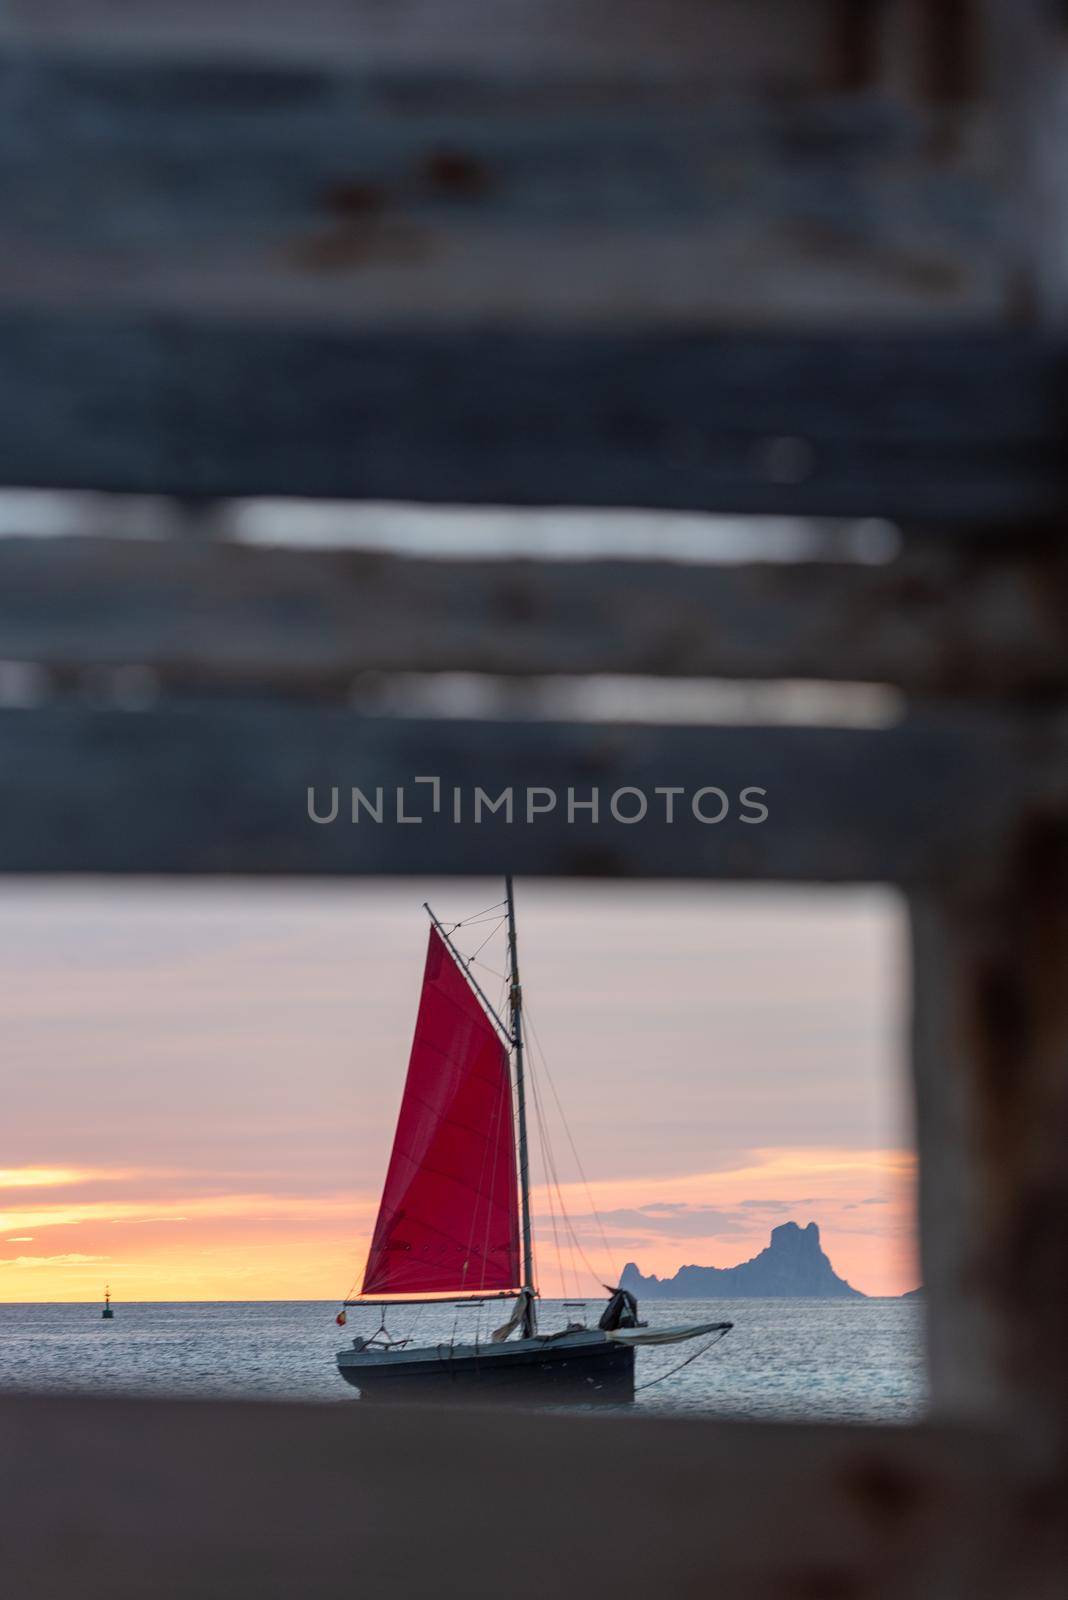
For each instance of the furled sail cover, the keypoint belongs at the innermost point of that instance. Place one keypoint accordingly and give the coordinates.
(449, 1219)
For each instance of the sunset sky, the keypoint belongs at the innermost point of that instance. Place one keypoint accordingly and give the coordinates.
(200, 1081)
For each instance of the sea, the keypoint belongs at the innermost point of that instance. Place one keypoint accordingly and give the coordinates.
(841, 1360)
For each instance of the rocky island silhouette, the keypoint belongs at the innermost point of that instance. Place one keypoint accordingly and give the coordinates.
(793, 1263)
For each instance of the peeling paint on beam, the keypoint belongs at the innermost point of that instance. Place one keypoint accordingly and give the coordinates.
(639, 179)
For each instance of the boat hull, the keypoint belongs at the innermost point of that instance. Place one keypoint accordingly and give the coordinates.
(585, 1369)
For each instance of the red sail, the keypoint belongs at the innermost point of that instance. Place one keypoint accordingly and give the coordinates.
(449, 1219)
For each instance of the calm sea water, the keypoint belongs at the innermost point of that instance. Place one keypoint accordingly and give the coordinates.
(849, 1360)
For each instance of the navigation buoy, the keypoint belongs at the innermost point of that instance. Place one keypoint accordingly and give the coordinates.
(107, 1311)
(341, 1318)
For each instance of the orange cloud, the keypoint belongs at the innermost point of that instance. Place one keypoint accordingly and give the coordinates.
(255, 1207)
(28, 1178)
(39, 1177)
(272, 1245)
(72, 1259)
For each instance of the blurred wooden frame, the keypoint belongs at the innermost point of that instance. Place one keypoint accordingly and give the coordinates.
(800, 258)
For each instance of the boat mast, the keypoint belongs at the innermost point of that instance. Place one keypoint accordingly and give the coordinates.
(516, 1003)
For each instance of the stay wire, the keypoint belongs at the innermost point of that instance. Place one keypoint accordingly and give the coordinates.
(571, 1237)
(503, 976)
(493, 931)
(549, 1174)
(722, 1334)
(574, 1149)
(475, 915)
(542, 1143)
(598, 1277)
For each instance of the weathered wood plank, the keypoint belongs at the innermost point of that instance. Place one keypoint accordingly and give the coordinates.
(936, 621)
(990, 1046)
(1028, 82)
(209, 787)
(958, 428)
(789, 45)
(269, 1501)
(784, 47)
(407, 186)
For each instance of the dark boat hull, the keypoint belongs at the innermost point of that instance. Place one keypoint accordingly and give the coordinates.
(568, 1371)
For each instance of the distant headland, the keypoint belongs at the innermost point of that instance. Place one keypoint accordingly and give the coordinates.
(792, 1264)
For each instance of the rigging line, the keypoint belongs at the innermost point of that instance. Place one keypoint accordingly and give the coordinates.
(574, 1249)
(362, 1272)
(551, 1202)
(479, 922)
(671, 1373)
(539, 1055)
(573, 1241)
(554, 1178)
(452, 928)
(543, 1145)
(553, 1225)
(571, 1238)
(502, 1002)
(493, 931)
(491, 970)
(487, 909)
(476, 914)
(570, 1139)
(490, 915)
(609, 1258)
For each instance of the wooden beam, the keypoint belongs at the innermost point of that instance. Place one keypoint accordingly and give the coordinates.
(735, 43)
(990, 1048)
(216, 787)
(952, 429)
(937, 621)
(106, 1496)
(683, 175)
(1027, 68)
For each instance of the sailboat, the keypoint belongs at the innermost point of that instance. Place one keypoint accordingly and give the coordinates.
(454, 1223)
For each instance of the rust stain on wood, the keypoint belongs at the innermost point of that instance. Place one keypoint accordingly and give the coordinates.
(356, 197)
(457, 173)
(365, 240)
